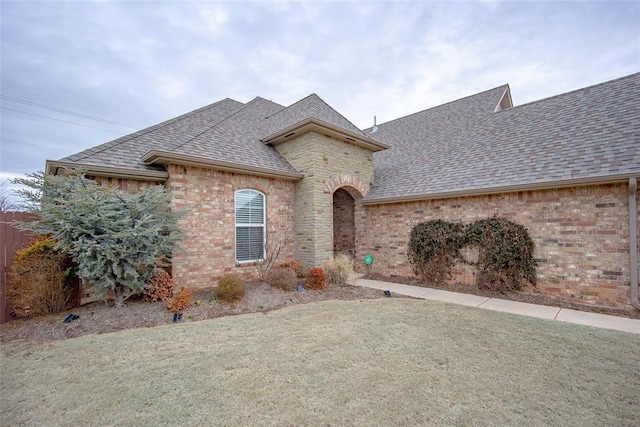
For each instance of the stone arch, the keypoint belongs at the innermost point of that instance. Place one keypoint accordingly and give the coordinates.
(346, 192)
(346, 180)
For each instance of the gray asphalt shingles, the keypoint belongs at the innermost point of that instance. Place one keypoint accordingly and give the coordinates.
(459, 146)
(464, 145)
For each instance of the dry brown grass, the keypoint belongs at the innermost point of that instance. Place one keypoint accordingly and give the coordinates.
(339, 270)
(373, 362)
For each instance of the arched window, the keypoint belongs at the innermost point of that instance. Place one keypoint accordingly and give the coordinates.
(249, 225)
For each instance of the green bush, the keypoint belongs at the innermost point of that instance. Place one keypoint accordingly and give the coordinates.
(433, 248)
(38, 279)
(339, 270)
(231, 287)
(118, 240)
(316, 279)
(283, 278)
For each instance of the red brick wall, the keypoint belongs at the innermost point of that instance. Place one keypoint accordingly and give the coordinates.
(126, 185)
(208, 248)
(581, 236)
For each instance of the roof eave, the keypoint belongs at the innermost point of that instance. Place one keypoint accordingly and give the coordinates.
(540, 185)
(159, 157)
(53, 167)
(312, 124)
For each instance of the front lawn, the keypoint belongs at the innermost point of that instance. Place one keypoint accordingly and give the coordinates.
(370, 362)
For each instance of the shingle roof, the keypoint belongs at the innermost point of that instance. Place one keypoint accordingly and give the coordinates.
(462, 146)
(236, 139)
(310, 107)
(125, 152)
(465, 145)
(226, 131)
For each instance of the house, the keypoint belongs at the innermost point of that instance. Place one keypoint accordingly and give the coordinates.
(305, 179)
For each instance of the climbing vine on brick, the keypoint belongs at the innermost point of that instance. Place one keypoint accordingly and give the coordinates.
(434, 247)
(505, 252)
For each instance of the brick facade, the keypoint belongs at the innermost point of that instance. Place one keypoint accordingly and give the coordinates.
(124, 184)
(581, 236)
(208, 248)
(327, 164)
(581, 233)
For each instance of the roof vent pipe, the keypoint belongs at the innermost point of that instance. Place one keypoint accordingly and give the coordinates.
(633, 242)
(375, 127)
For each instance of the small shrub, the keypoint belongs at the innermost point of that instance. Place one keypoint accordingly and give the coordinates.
(339, 270)
(180, 300)
(294, 265)
(283, 278)
(38, 279)
(160, 288)
(231, 287)
(316, 279)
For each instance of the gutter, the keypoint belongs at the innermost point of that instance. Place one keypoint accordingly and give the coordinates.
(315, 125)
(633, 242)
(509, 188)
(54, 167)
(165, 157)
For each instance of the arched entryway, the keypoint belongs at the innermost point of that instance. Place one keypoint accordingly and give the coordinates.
(344, 231)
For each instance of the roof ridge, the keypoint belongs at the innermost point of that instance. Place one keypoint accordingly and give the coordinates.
(289, 106)
(573, 91)
(125, 138)
(244, 106)
(503, 86)
(340, 114)
(316, 96)
(268, 100)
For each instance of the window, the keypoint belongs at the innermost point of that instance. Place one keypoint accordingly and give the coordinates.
(249, 225)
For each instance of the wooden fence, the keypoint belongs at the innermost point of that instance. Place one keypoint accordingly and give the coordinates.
(11, 240)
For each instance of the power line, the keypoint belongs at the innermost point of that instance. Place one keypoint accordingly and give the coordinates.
(65, 121)
(60, 110)
(13, 141)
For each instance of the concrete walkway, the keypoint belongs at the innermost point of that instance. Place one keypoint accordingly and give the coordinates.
(525, 309)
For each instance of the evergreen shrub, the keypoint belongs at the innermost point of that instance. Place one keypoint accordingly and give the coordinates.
(118, 240)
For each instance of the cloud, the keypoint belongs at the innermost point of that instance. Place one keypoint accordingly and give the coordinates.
(140, 63)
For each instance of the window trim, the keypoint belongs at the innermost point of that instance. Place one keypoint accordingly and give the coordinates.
(236, 225)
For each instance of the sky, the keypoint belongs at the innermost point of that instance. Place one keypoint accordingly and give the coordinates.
(76, 74)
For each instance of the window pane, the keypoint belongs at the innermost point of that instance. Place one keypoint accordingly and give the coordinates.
(257, 208)
(249, 243)
(249, 207)
(249, 225)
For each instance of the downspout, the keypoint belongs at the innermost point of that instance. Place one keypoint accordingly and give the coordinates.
(633, 242)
